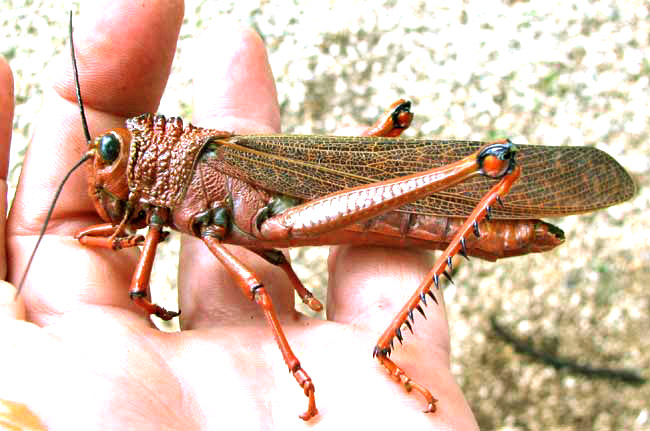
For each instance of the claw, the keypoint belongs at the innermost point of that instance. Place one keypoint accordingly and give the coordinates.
(311, 408)
(431, 407)
(166, 314)
(126, 242)
(313, 303)
(308, 388)
(398, 374)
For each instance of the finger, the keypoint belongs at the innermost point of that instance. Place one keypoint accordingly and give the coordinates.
(233, 91)
(6, 115)
(369, 285)
(6, 120)
(123, 70)
(9, 308)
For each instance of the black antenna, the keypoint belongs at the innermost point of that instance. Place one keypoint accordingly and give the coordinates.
(81, 161)
(77, 87)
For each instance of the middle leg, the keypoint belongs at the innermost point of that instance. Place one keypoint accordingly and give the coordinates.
(254, 290)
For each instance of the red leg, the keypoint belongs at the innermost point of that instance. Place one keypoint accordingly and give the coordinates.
(140, 281)
(253, 289)
(276, 257)
(385, 343)
(340, 209)
(103, 236)
(393, 122)
(307, 297)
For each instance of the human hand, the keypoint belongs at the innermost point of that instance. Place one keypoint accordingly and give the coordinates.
(81, 356)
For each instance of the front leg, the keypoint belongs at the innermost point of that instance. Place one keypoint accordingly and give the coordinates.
(108, 236)
(138, 291)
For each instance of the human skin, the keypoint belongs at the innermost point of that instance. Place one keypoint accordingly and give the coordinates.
(80, 355)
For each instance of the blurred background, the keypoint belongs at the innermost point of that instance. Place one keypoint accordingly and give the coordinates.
(540, 72)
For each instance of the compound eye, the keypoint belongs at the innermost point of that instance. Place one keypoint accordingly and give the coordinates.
(109, 147)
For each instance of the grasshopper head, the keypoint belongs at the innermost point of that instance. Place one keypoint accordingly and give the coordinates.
(107, 182)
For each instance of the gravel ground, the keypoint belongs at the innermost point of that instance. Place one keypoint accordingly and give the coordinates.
(542, 72)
